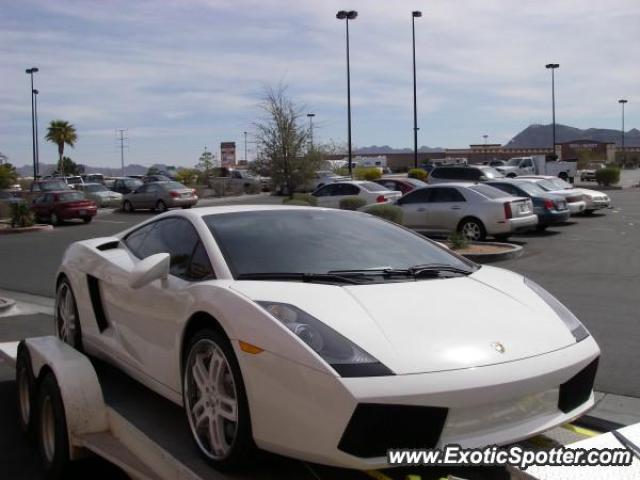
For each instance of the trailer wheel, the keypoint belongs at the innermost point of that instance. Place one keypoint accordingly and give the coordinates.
(25, 386)
(52, 435)
(215, 401)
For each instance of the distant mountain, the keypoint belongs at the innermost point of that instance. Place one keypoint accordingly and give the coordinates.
(535, 136)
(386, 149)
(49, 168)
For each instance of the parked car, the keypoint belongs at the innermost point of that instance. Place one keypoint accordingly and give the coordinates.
(331, 194)
(93, 178)
(51, 184)
(56, 207)
(126, 185)
(10, 196)
(323, 177)
(472, 173)
(551, 209)
(160, 195)
(74, 181)
(404, 185)
(155, 178)
(247, 180)
(309, 319)
(593, 200)
(474, 210)
(589, 173)
(100, 194)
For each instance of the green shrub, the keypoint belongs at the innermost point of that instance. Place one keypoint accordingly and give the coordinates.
(608, 176)
(457, 241)
(5, 210)
(293, 201)
(418, 173)
(367, 173)
(386, 211)
(21, 215)
(306, 197)
(352, 203)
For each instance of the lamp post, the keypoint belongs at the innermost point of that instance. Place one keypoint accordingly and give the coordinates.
(485, 136)
(30, 72)
(311, 115)
(245, 148)
(35, 116)
(552, 67)
(415, 14)
(348, 15)
(622, 101)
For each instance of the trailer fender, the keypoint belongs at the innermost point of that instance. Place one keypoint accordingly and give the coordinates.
(80, 389)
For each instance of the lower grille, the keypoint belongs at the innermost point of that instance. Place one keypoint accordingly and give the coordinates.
(375, 428)
(577, 390)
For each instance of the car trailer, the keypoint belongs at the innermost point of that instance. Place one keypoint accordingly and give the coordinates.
(75, 406)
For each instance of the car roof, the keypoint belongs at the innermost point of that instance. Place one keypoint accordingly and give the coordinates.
(536, 177)
(452, 184)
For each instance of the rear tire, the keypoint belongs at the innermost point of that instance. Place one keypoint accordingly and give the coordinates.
(217, 411)
(473, 229)
(589, 212)
(55, 220)
(52, 435)
(161, 206)
(127, 207)
(87, 219)
(25, 392)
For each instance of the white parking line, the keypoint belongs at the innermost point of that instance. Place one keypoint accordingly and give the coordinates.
(108, 221)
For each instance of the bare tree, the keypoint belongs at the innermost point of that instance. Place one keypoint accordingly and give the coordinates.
(282, 138)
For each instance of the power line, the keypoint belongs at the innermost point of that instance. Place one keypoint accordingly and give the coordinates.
(123, 144)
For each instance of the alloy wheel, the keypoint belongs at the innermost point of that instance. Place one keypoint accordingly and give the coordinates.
(211, 399)
(66, 315)
(472, 231)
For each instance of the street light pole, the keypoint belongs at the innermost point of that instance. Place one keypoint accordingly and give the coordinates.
(485, 136)
(415, 14)
(30, 72)
(348, 15)
(311, 115)
(622, 101)
(552, 67)
(35, 116)
(245, 148)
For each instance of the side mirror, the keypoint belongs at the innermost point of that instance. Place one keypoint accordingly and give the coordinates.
(155, 267)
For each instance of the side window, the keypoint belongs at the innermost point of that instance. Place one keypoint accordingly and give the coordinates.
(200, 266)
(388, 184)
(441, 195)
(505, 187)
(417, 196)
(527, 163)
(142, 189)
(348, 189)
(324, 191)
(236, 174)
(151, 188)
(135, 240)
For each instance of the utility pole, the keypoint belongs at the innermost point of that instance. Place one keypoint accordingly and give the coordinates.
(122, 140)
(415, 14)
(552, 67)
(310, 116)
(622, 101)
(246, 161)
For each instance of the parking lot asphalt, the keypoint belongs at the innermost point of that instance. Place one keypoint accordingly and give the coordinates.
(591, 264)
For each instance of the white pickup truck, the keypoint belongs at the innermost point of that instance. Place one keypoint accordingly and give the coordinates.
(538, 165)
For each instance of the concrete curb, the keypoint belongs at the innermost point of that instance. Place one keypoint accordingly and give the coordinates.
(34, 228)
(515, 251)
(6, 304)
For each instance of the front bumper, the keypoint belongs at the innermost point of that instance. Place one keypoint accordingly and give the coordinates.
(596, 203)
(182, 202)
(553, 217)
(303, 413)
(577, 207)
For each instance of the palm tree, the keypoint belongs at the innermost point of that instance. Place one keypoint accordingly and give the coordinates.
(61, 132)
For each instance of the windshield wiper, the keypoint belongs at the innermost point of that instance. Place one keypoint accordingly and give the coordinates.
(424, 270)
(299, 276)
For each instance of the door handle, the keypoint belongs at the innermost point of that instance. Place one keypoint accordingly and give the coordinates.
(421, 209)
(456, 208)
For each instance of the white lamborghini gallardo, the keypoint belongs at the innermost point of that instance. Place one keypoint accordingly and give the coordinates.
(324, 335)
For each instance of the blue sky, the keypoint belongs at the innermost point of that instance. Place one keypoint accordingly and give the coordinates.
(182, 74)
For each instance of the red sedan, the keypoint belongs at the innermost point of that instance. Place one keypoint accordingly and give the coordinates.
(56, 207)
(404, 185)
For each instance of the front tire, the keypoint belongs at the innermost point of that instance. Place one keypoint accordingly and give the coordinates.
(52, 435)
(215, 401)
(473, 229)
(55, 220)
(127, 207)
(161, 206)
(87, 219)
(67, 321)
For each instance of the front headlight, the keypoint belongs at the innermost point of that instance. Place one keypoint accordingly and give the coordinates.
(573, 324)
(344, 356)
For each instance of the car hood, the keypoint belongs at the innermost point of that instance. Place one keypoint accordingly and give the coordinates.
(506, 168)
(486, 318)
(591, 193)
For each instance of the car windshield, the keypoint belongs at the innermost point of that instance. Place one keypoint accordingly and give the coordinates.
(560, 184)
(372, 187)
(491, 172)
(132, 183)
(53, 185)
(530, 188)
(514, 162)
(488, 191)
(319, 241)
(173, 186)
(70, 196)
(74, 180)
(96, 188)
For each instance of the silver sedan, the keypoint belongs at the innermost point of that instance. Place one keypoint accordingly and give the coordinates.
(100, 194)
(474, 210)
(160, 196)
